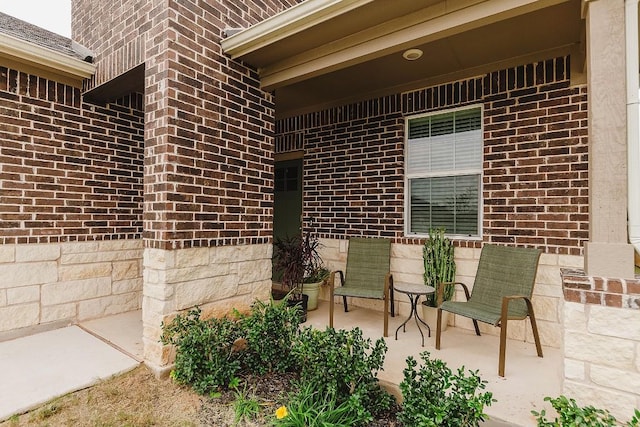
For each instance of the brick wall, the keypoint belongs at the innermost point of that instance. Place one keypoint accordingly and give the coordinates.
(208, 126)
(68, 170)
(208, 148)
(535, 184)
(126, 33)
(610, 292)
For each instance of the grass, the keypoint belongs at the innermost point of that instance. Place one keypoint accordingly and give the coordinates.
(136, 398)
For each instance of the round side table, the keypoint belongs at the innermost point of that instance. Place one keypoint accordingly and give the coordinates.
(414, 292)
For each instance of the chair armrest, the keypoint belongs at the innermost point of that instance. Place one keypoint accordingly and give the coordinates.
(440, 297)
(332, 281)
(508, 298)
(388, 283)
(332, 278)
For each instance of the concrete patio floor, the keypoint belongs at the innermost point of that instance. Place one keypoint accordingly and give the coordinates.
(43, 366)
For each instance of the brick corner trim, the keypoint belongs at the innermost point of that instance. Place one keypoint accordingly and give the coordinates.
(605, 291)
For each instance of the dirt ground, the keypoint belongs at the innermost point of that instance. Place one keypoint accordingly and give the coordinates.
(138, 398)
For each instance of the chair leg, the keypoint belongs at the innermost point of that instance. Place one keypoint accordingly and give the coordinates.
(331, 304)
(534, 327)
(503, 346)
(475, 325)
(344, 301)
(393, 305)
(438, 328)
(386, 316)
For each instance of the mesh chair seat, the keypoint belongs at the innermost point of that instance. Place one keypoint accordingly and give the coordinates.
(367, 275)
(501, 291)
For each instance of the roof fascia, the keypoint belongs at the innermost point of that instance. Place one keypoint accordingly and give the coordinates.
(286, 24)
(58, 63)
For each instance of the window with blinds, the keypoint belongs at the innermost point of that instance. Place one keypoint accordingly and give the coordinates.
(443, 172)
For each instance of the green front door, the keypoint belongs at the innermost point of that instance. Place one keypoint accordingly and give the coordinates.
(287, 200)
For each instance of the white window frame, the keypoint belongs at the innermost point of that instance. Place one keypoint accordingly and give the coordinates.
(409, 176)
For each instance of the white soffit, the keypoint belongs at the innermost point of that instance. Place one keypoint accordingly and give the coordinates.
(435, 21)
(34, 55)
(286, 24)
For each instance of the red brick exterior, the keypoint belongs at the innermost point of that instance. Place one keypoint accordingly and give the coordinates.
(535, 180)
(610, 292)
(69, 171)
(208, 126)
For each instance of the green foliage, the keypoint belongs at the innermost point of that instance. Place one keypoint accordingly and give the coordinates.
(270, 330)
(439, 265)
(341, 364)
(210, 353)
(434, 396)
(311, 408)
(572, 415)
(245, 407)
(297, 261)
(205, 358)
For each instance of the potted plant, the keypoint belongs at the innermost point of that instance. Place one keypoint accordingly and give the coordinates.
(439, 271)
(298, 264)
(311, 285)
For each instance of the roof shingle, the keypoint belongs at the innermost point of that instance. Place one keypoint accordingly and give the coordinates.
(23, 30)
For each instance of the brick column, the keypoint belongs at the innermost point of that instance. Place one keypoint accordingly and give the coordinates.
(208, 176)
(607, 253)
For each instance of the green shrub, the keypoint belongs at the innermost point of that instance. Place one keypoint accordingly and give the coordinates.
(210, 353)
(205, 358)
(270, 330)
(341, 364)
(573, 415)
(434, 396)
(311, 408)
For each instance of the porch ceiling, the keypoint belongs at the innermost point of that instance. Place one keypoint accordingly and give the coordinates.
(323, 53)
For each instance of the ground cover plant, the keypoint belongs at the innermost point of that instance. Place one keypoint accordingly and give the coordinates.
(332, 373)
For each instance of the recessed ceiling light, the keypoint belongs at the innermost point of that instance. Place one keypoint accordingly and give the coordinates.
(412, 54)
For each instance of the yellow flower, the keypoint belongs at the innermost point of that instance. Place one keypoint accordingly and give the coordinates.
(281, 412)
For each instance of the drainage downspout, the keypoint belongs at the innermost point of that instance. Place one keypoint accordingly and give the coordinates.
(633, 122)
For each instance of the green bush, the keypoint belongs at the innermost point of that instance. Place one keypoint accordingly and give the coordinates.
(573, 415)
(434, 396)
(270, 330)
(205, 358)
(341, 364)
(311, 408)
(210, 353)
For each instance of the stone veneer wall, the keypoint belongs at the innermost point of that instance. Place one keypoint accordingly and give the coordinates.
(61, 283)
(602, 341)
(407, 266)
(217, 279)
